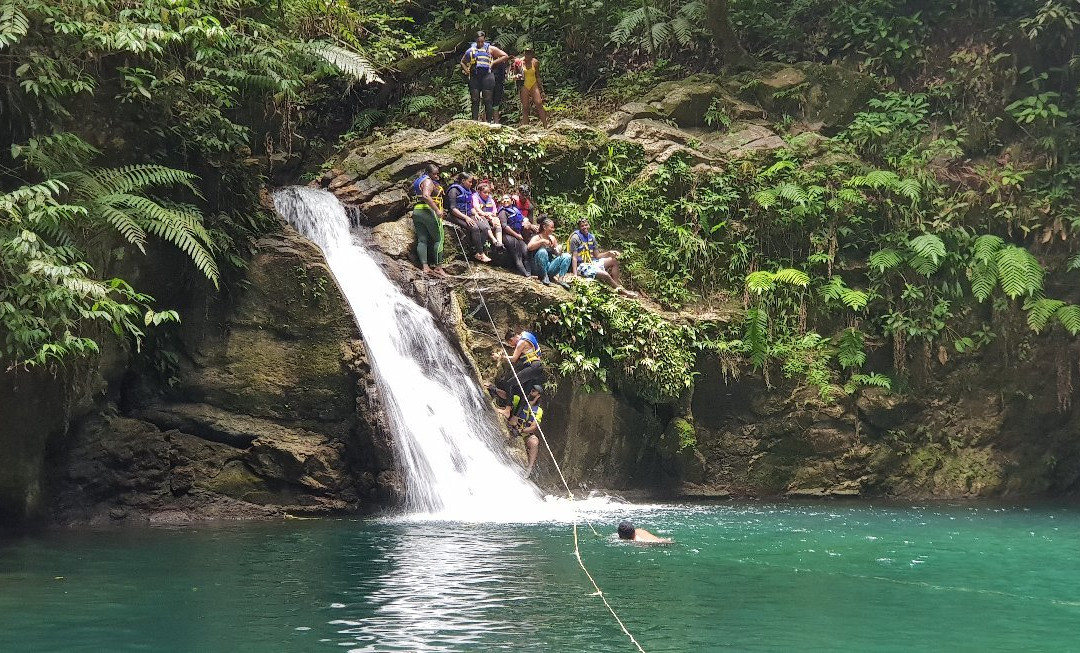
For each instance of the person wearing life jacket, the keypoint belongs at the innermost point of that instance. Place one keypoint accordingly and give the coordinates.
(525, 416)
(459, 211)
(549, 261)
(523, 200)
(527, 369)
(478, 63)
(512, 221)
(485, 209)
(427, 217)
(591, 263)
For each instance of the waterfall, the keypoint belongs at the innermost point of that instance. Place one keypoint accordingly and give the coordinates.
(447, 440)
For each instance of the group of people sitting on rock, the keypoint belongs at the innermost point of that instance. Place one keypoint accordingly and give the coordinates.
(488, 67)
(509, 228)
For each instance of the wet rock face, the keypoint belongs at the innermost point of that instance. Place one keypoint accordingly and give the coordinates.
(274, 409)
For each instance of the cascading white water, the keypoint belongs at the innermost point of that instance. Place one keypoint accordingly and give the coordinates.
(447, 439)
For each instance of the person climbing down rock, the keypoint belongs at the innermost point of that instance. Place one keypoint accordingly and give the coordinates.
(525, 360)
(590, 263)
(627, 531)
(478, 62)
(512, 221)
(427, 217)
(549, 262)
(459, 204)
(525, 421)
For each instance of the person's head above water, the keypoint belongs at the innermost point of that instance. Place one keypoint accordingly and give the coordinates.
(626, 530)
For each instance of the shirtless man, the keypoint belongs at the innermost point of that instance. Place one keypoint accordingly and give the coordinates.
(628, 532)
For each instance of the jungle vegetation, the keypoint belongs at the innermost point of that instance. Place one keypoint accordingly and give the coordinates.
(938, 221)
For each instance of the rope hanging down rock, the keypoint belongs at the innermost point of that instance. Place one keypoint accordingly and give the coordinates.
(543, 438)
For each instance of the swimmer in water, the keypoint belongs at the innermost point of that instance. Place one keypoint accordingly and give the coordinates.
(628, 532)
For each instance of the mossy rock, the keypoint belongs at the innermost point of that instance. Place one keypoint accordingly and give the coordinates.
(686, 100)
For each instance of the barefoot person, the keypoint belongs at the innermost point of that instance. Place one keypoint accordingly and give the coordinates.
(627, 531)
(591, 263)
(525, 421)
(532, 89)
(427, 220)
(485, 209)
(525, 361)
(549, 262)
(478, 63)
(459, 204)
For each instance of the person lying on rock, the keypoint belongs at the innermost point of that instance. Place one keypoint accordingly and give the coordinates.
(484, 208)
(549, 262)
(627, 531)
(459, 202)
(427, 217)
(591, 263)
(512, 220)
(525, 419)
(525, 361)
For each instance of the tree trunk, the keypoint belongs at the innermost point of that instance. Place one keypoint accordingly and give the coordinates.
(718, 20)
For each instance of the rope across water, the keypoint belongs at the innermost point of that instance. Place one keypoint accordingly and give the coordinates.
(543, 438)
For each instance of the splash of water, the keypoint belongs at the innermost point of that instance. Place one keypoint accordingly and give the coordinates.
(447, 439)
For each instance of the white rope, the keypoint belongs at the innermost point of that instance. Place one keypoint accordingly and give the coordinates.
(543, 438)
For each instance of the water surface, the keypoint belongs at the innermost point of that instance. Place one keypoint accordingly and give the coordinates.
(806, 577)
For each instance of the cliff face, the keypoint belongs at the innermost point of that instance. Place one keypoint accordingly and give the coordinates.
(271, 408)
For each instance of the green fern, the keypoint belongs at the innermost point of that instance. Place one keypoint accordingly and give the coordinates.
(757, 329)
(417, 104)
(760, 282)
(347, 61)
(1018, 272)
(885, 259)
(984, 279)
(1069, 317)
(1039, 312)
(13, 24)
(851, 353)
(928, 246)
(986, 246)
(792, 277)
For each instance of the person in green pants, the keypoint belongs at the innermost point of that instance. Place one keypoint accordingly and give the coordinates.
(427, 218)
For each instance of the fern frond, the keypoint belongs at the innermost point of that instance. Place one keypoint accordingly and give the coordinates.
(986, 246)
(983, 280)
(760, 282)
(850, 352)
(1039, 312)
(924, 266)
(347, 61)
(885, 259)
(13, 24)
(928, 246)
(766, 198)
(415, 104)
(792, 277)
(1018, 272)
(1069, 317)
(757, 329)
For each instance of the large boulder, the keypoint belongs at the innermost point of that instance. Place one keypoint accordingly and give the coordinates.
(686, 100)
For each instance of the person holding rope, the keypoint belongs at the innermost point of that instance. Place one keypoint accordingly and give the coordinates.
(525, 362)
(525, 421)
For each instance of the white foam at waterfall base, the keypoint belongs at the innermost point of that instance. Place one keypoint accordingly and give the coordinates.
(446, 434)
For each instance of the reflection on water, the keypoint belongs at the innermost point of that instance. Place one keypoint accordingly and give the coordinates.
(758, 577)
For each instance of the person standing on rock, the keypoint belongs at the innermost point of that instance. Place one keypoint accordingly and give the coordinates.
(591, 263)
(549, 262)
(478, 62)
(459, 204)
(498, 93)
(513, 233)
(427, 217)
(532, 89)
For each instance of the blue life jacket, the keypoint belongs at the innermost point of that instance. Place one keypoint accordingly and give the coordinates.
(585, 248)
(480, 58)
(527, 414)
(534, 355)
(463, 202)
(418, 191)
(514, 217)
